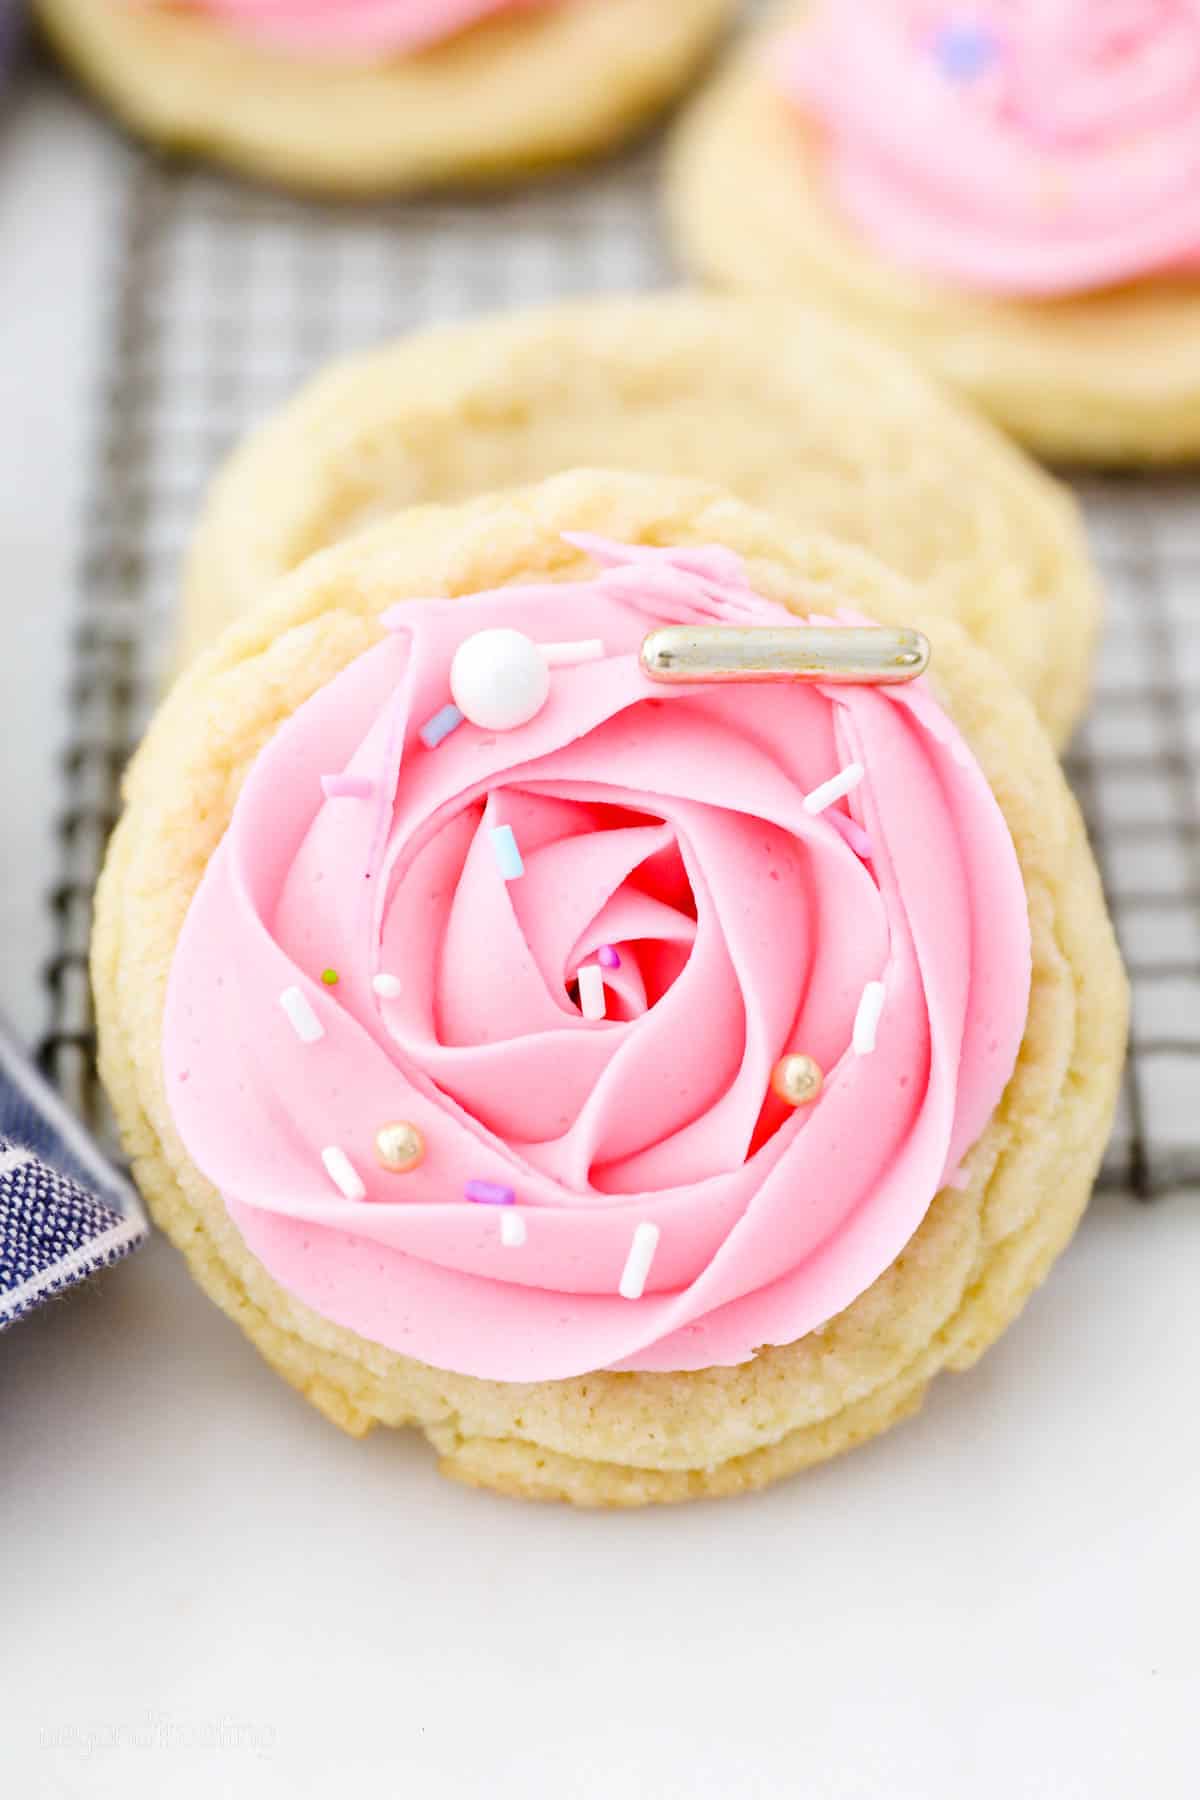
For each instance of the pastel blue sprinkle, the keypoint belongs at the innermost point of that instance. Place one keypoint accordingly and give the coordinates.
(444, 721)
(964, 50)
(508, 857)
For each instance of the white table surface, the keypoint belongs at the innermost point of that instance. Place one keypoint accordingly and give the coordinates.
(208, 1591)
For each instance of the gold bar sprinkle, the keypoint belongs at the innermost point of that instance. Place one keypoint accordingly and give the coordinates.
(867, 654)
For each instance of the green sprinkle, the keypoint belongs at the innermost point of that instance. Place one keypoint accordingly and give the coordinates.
(329, 977)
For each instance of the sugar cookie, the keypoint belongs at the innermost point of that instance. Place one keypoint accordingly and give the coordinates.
(1007, 192)
(352, 97)
(782, 406)
(593, 1253)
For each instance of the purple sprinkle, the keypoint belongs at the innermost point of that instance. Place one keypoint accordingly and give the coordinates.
(964, 49)
(489, 1193)
(607, 957)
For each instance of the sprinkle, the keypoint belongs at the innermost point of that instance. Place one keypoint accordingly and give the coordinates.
(444, 721)
(960, 1179)
(864, 655)
(330, 977)
(607, 957)
(342, 1173)
(304, 1021)
(499, 680)
(489, 1193)
(637, 1263)
(400, 1147)
(566, 656)
(866, 1021)
(853, 833)
(508, 856)
(388, 987)
(963, 49)
(592, 1001)
(797, 1079)
(512, 1230)
(347, 787)
(960, 753)
(834, 789)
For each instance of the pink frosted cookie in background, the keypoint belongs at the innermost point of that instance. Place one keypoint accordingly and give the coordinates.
(1025, 148)
(365, 96)
(1010, 189)
(643, 1085)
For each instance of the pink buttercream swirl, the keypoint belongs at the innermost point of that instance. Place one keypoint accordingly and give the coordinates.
(669, 824)
(1031, 147)
(355, 28)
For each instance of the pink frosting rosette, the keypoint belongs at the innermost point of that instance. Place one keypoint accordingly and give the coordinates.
(355, 28)
(661, 1207)
(1027, 147)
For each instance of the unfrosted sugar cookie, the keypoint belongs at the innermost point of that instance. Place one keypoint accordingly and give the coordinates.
(786, 408)
(641, 1086)
(1008, 190)
(359, 96)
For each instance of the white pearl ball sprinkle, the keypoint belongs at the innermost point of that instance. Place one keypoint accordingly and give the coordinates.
(499, 679)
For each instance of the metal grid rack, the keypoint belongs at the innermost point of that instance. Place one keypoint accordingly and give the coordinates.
(225, 298)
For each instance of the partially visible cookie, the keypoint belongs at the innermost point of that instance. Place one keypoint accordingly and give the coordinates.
(783, 406)
(520, 88)
(1108, 373)
(207, 1054)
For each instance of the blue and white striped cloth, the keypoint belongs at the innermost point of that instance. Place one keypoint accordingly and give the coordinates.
(11, 34)
(64, 1212)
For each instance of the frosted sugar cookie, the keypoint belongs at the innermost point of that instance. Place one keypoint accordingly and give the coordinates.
(355, 96)
(643, 1086)
(1006, 190)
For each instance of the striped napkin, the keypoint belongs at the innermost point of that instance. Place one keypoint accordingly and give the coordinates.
(11, 34)
(64, 1212)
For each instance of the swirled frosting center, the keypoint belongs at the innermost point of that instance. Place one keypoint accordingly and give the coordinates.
(1028, 147)
(662, 1207)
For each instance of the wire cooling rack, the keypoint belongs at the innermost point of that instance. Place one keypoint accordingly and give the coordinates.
(224, 298)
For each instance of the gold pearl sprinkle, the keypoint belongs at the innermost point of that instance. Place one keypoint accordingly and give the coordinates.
(399, 1147)
(797, 1079)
